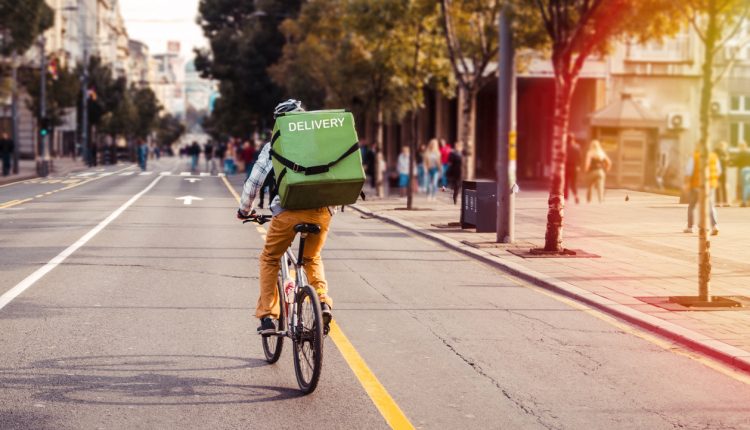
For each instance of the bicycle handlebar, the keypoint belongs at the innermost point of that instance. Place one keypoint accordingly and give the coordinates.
(258, 219)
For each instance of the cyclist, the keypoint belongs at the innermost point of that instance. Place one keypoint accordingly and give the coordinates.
(281, 234)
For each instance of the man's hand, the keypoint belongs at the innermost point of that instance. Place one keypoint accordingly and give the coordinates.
(243, 215)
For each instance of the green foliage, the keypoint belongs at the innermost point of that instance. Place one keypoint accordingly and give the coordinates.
(169, 130)
(244, 41)
(61, 93)
(363, 55)
(147, 109)
(21, 21)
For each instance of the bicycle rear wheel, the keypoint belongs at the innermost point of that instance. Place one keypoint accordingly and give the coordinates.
(272, 345)
(308, 340)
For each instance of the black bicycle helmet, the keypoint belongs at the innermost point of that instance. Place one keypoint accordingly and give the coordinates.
(290, 105)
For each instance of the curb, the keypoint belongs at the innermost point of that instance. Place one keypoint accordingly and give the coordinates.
(19, 178)
(725, 353)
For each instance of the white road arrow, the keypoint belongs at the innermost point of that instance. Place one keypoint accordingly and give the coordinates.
(192, 180)
(188, 200)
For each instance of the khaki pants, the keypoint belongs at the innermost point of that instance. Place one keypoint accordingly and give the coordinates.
(280, 235)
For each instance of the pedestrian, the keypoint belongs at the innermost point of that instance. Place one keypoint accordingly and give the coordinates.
(445, 153)
(229, 166)
(572, 163)
(722, 154)
(194, 152)
(597, 165)
(208, 152)
(693, 186)
(433, 167)
(220, 153)
(142, 150)
(742, 161)
(6, 152)
(419, 156)
(455, 169)
(402, 166)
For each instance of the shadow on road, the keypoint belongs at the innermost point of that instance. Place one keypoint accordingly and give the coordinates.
(140, 380)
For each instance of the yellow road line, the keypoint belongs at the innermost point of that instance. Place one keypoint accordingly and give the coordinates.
(383, 401)
(12, 203)
(73, 185)
(658, 341)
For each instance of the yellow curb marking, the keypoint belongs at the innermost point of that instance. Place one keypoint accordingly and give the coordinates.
(383, 401)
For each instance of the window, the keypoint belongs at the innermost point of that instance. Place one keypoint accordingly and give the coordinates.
(740, 104)
(739, 132)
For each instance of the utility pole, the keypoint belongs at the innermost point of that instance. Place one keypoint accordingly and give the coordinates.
(14, 111)
(84, 86)
(42, 167)
(506, 151)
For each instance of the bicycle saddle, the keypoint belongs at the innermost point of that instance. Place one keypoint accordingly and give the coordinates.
(307, 228)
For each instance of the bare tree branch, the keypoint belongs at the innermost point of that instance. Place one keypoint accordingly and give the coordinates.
(454, 48)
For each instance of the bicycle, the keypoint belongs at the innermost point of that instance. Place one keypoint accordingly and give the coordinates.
(300, 315)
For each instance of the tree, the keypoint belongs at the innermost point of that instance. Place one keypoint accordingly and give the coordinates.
(61, 92)
(244, 41)
(147, 111)
(577, 29)
(21, 22)
(360, 54)
(170, 129)
(716, 22)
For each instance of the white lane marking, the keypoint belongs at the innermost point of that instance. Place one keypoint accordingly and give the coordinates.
(191, 180)
(146, 173)
(165, 173)
(39, 273)
(85, 174)
(127, 173)
(205, 174)
(188, 200)
(106, 174)
(185, 174)
(221, 175)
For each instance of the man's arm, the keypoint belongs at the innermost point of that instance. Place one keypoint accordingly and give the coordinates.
(253, 183)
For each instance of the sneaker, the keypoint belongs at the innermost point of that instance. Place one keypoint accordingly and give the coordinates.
(327, 317)
(688, 230)
(266, 326)
(715, 231)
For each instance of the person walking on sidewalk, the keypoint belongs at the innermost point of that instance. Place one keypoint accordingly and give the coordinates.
(597, 165)
(433, 166)
(445, 153)
(455, 169)
(572, 161)
(402, 166)
(6, 152)
(692, 182)
(742, 161)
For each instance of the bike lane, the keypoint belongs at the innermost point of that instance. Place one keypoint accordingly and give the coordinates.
(150, 324)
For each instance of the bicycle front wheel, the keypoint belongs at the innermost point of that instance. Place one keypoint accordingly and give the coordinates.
(272, 345)
(308, 340)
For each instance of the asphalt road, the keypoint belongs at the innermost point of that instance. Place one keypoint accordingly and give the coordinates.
(149, 324)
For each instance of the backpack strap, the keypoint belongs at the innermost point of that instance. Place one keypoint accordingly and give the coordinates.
(312, 170)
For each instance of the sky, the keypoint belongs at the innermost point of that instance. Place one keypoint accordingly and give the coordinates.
(155, 22)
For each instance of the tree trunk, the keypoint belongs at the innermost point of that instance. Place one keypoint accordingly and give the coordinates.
(563, 93)
(467, 125)
(704, 244)
(379, 168)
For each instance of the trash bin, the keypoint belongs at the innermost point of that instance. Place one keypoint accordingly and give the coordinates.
(479, 205)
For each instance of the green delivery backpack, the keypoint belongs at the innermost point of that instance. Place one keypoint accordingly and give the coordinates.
(316, 159)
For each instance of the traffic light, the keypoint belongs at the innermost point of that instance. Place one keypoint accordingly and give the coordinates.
(44, 127)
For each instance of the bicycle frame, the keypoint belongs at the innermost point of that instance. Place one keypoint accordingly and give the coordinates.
(288, 311)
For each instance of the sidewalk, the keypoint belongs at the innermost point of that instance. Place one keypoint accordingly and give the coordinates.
(27, 169)
(644, 258)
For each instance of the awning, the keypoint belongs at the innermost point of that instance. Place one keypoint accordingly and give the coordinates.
(627, 113)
